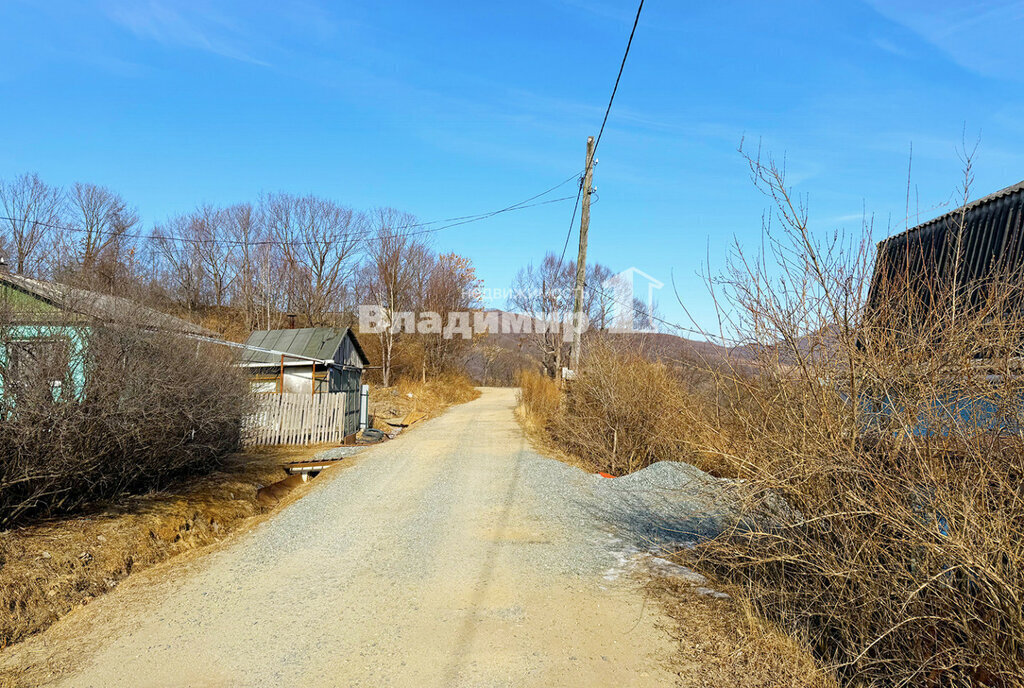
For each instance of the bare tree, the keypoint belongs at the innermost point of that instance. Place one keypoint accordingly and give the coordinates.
(545, 293)
(174, 243)
(245, 228)
(98, 251)
(395, 265)
(32, 209)
(319, 241)
(598, 303)
(451, 286)
(214, 248)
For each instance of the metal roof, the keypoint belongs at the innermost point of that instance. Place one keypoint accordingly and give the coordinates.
(320, 343)
(92, 305)
(954, 214)
(989, 234)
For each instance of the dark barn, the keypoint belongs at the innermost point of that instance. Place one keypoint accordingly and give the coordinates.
(923, 260)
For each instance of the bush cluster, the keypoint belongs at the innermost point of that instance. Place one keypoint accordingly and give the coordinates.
(154, 408)
(887, 414)
(622, 411)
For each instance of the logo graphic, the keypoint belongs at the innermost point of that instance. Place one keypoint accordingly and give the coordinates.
(630, 296)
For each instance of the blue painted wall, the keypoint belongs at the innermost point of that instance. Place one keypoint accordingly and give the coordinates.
(77, 337)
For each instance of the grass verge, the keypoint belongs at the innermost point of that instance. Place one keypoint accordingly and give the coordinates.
(723, 643)
(50, 568)
(432, 397)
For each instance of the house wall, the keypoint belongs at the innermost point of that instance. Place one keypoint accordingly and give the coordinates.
(76, 337)
(347, 354)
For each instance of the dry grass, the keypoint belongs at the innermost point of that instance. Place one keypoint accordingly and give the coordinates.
(539, 399)
(621, 413)
(722, 643)
(50, 568)
(893, 437)
(539, 403)
(412, 395)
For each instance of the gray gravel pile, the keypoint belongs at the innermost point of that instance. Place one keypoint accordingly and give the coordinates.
(667, 502)
(663, 507)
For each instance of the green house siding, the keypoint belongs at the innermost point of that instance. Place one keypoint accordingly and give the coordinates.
(76, 338)
(19, 303)
(46, 329)
(34, 319)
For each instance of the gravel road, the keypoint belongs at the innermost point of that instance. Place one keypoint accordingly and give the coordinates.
(450, 556)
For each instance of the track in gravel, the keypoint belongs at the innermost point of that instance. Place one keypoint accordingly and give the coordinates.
(451, 556)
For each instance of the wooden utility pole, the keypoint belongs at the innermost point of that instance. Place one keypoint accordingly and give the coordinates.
(581, 261)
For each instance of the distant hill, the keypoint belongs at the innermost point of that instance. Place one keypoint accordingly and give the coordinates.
(496, 357)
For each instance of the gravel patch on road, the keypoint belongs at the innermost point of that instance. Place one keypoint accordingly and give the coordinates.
(623, 523)
(666, 505)
(336, 453)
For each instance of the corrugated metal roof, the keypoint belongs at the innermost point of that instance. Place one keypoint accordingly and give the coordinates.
(311, 342)
(955, 214)
(979, 241)
(91, 304)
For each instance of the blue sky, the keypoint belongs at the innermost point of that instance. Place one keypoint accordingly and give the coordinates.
(450, 108)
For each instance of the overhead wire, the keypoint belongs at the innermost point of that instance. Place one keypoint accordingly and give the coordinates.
(640, 311)
(622, 66)
(600, 133)
(355, 236)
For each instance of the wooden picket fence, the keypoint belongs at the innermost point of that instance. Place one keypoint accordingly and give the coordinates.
(297, 419)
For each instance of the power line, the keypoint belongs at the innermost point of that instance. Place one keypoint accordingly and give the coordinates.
(600, 133)
(640, 311)
(451, 222)
(619, 76)
(568, 235)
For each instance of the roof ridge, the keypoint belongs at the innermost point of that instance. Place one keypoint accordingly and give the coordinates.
(967, 207)
(95, 304)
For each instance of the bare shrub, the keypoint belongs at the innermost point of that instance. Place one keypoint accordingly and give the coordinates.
(153, 407)
(628, 407)
(893, 435)
(621, 413)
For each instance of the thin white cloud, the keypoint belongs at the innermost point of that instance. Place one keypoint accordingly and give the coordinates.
(893, 48)
(195, 28)
(983, 37)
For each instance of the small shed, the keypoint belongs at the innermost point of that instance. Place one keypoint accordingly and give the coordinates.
(309, 361)
(306, 360)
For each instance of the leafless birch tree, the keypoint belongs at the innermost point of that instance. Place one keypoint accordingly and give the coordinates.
(319, 241)
(396, 262)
